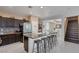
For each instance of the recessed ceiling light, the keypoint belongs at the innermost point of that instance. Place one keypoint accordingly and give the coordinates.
(41, 7)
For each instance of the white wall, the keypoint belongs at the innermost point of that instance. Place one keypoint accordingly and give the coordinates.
(52, 22)
(60, 34)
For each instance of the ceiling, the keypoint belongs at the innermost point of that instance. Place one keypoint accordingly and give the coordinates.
(45, 12)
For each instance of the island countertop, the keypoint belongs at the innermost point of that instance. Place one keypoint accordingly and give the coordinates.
(29, 39)
(34, 36)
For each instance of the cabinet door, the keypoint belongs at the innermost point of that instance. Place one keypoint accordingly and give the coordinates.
(11, 22)
(16, 23)
(0, 21)
(4, 23)
(4, 40)
(7, 22)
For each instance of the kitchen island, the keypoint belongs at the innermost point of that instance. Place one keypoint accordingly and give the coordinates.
(29, 39)
(9, 37)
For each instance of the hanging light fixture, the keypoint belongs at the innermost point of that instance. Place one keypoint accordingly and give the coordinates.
(30, 10)
(29, 6)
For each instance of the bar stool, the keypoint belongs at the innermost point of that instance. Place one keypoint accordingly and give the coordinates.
(44, 41)
(52, 39)
(51, 36)
(55, 40)
(37, 46)
(50, 42)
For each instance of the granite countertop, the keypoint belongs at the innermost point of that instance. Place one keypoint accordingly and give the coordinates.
(34, 36)
(8, 33)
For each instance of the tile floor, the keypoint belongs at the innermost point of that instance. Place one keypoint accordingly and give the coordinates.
(13, 48)
(18, 48)
(66, 47)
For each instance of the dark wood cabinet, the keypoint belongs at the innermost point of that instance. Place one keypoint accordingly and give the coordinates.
(10, 22)
(26, 43)
(3, 22)
(0, 21)
(9, 38)
(17, 23)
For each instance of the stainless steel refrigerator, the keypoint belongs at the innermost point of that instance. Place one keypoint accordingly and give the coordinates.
(27, 27)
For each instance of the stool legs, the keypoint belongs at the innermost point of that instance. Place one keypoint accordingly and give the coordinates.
(45, 44)
(49, 43)
(34, 48)
(55, 40)
(37, 43)
(42, 41)
(38, 50)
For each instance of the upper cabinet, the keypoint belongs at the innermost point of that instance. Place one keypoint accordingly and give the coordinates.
(3, 22)
(16, 23)
(9, 22)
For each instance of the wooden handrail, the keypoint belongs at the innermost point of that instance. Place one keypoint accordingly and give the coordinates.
(65, 25)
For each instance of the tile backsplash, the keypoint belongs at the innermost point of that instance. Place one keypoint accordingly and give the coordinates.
(8, 29)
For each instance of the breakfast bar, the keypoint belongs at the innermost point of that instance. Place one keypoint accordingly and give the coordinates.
(29, 39)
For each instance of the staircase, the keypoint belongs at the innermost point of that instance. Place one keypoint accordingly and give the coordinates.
(72, 34)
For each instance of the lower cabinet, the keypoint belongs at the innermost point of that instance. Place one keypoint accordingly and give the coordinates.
(8, 39)
(26, 43)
